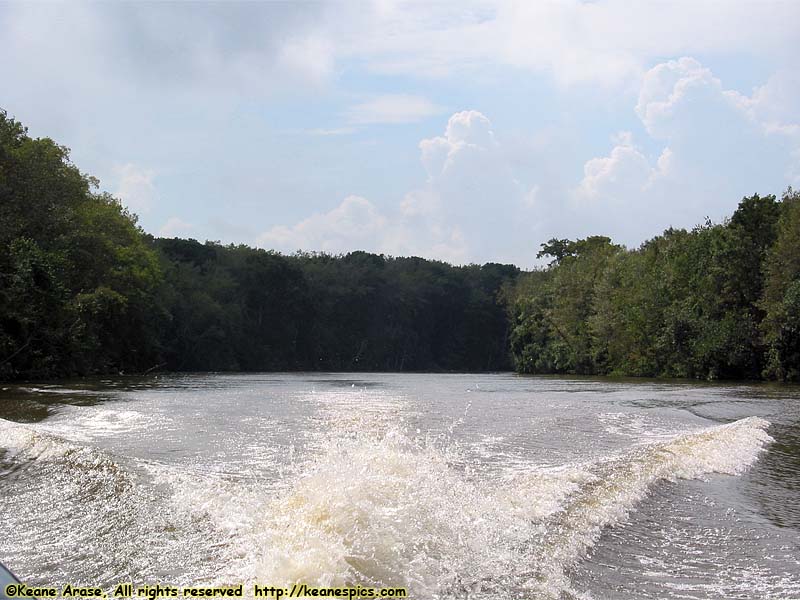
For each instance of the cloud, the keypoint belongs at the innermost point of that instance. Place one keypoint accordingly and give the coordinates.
(774, 106)
(135, 187)
(667, 88)
(472, 186)
(392, 109)
(258, 48)
(357, 224)
(170, 48)
(468, 209)
(311, 55)
(354, 224)
(175, 227)
(718, 145)
(701, 147)
(683, 103)
(467, 131)
(609, 42)
(775, 103)
(682, 100)
(626, 170)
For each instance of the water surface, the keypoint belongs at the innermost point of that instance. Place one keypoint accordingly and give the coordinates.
(454, 486)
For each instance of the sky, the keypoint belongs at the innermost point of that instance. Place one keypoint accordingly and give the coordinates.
(464, 131)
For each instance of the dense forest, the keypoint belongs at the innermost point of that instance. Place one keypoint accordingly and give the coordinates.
(84, 290)
(719, 302)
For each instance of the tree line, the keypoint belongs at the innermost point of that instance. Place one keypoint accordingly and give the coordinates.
(84, 290)
(721, 301)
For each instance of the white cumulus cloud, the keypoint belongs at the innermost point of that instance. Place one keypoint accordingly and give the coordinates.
(135, 187)
(624, 170)
(470, 197)
(718, 145)
(356, 224)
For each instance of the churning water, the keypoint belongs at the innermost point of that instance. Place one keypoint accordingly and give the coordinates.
(453, 486)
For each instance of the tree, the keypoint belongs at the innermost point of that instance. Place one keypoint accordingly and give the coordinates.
(781, 294)
(77, 278)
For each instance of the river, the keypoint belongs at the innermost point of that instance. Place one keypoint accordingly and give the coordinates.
(454, 486)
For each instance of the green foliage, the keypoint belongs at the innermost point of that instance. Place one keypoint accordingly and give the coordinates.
(556, 248)
(781, 299)
(552, 320)
(235, 307)
(715, 302)
(77, 277)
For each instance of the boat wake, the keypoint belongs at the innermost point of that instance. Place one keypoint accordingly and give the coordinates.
(369, 506)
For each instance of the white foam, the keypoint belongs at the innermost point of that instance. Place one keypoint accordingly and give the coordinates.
(374, 506)
(633, 425)
(624, 480)
(87, 423)
(28, 442)
(385, 510)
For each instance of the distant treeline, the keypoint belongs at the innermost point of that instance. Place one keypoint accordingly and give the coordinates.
(236, 308)
(83, 290)
(720, 301)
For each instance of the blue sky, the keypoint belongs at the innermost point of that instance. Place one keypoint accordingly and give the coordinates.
(464, 131)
